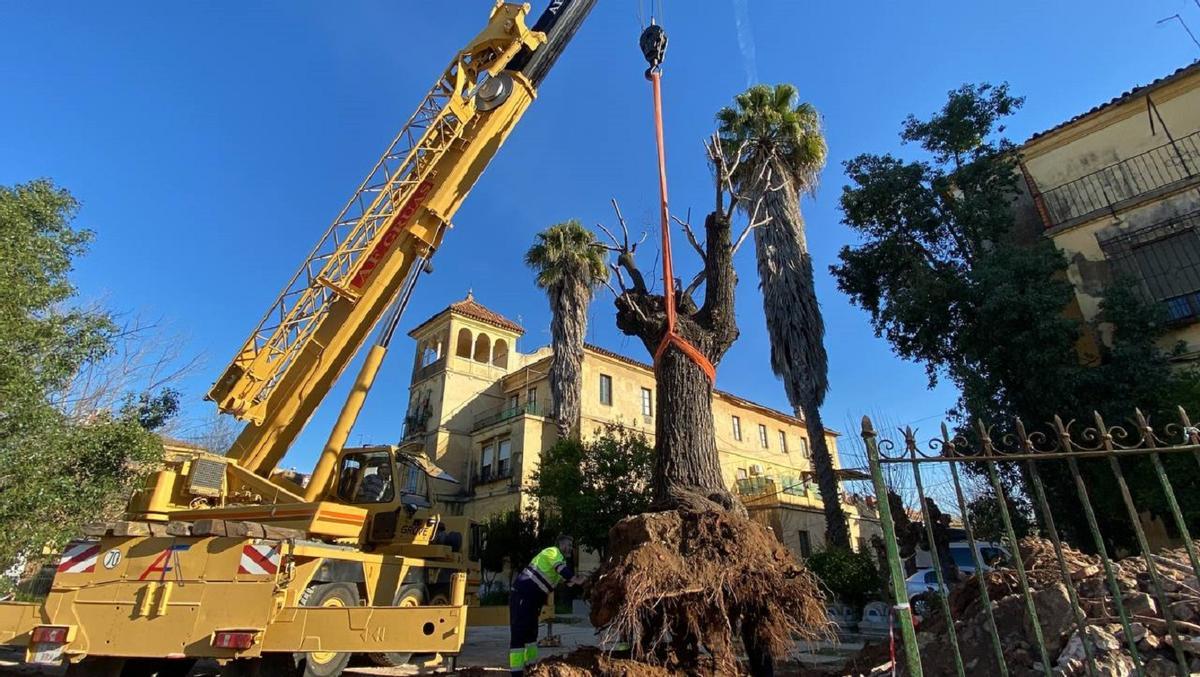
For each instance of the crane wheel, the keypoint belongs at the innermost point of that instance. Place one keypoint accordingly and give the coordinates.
(314, 664)
(326, 663)
(409, 595)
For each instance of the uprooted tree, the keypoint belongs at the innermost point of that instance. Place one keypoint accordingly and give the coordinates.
(699, 573)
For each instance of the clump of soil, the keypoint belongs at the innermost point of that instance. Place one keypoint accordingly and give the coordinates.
(687, 581)
(593, 662)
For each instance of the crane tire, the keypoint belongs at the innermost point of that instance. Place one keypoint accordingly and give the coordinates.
(413, 594)
(326, 663)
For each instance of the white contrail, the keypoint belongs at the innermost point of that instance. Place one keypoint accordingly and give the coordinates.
(745, 36)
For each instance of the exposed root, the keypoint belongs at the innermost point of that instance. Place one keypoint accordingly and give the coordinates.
(592, 662)
(687, 581)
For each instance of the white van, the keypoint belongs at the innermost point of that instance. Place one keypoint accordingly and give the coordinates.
(991, 554)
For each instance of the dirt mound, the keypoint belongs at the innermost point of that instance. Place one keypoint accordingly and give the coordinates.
(680, 582)
(591, 661)
(1056, 618)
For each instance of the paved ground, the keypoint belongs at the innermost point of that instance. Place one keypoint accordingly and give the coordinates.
(488, 648)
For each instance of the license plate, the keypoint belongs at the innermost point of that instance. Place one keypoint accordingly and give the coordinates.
(46, 654)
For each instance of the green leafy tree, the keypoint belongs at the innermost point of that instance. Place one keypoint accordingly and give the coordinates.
(590, 486)
(58, 471)
(569, 265)
(777, 145)
(511, 539)
(948, 283)
(851, 577)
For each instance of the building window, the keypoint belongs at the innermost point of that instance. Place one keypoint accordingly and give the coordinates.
(804, 448)
(737, 428)
(783, 442)
(486, 469)
(647, 402)
(805, 544)
(1170, 268)
(1165, 258)
(514, 402)
(412, 480)
(605, 389)
(483, 348)
(465, 340)
(429, 355)
(531, 398)
(742, 474)
(504, 459)
(500, 353)
(762, 437)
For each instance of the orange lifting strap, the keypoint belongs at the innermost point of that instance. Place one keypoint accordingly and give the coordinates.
(654, 44)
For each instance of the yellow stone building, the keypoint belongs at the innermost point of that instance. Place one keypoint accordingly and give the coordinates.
(480, 407)
(1118, 191)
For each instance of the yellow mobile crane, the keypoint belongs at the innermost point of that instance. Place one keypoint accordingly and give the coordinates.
(222, 557)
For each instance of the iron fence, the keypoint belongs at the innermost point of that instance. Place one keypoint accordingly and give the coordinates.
(1060, 471)
(1102, 189)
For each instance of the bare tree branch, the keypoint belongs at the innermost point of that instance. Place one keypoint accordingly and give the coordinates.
(695, 283)
(146, 358)
(616, 245)
(625, 250)
(621, 220)
(752, 224)
(691, 235)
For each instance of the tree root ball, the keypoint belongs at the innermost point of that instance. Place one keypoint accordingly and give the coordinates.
(683, 582)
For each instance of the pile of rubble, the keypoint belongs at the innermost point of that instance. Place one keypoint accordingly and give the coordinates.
(1111, 653)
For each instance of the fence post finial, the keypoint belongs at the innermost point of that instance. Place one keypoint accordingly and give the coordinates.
(868, 430)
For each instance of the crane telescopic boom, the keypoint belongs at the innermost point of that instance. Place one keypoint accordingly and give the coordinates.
(398, 214)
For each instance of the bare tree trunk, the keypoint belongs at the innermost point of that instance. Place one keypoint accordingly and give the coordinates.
(685, 439)
(687, 445)
(837, 532)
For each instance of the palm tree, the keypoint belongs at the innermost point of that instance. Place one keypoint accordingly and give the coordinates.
(778, 148)
(569, 266)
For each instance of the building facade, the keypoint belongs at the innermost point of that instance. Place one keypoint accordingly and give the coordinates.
(481, 409)
(1118, 191)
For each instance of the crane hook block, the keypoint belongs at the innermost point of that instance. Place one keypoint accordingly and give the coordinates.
(654, 47)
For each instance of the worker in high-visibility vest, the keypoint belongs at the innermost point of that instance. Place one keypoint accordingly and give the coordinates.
(529, 594)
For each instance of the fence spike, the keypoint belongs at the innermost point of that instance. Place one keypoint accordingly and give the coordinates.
(867, 427)
(1023, 437)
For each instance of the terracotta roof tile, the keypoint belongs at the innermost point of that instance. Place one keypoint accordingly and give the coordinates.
(1133, 93)
(471, 308)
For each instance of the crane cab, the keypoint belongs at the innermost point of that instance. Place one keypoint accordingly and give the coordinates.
(393, 485)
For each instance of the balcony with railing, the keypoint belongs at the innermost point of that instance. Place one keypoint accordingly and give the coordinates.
(764, 491)
(1158, 169)
(505, 413)
(501, 471)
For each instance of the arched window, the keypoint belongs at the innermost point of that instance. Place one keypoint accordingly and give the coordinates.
(463, 348)
(483, 348)
(429, 354)
(500, 353)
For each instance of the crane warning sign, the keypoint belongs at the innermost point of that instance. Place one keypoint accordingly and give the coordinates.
(79, 558)
(259, 560)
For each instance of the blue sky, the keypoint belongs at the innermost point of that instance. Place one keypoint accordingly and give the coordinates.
(211, 143)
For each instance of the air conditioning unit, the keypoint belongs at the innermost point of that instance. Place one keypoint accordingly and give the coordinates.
(756, 469)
